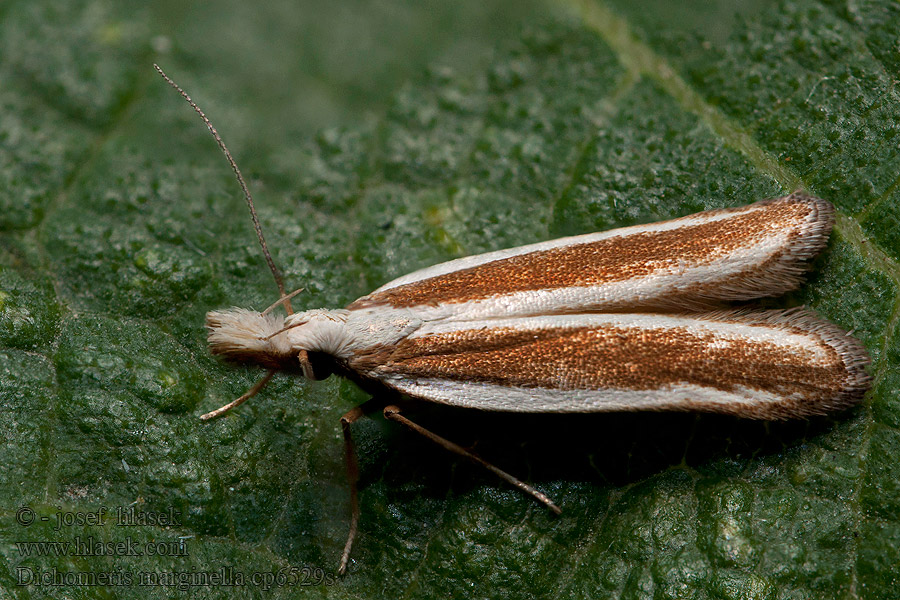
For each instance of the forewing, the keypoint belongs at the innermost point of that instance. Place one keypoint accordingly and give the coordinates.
(692, 263)
(763, 364)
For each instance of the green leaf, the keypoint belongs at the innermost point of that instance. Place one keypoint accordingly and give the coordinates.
(383, 137)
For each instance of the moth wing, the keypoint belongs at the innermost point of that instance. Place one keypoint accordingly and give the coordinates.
(762, 364)
(692, 263)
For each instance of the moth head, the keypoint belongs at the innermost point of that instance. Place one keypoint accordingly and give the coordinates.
(248, 337)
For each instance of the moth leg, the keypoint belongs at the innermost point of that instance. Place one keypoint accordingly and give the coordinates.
(259, 385)
(392, 412)
(352, 476)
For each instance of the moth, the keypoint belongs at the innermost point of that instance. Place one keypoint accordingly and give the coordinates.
(630, 319)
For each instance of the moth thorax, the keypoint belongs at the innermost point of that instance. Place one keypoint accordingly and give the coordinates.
(245, 336)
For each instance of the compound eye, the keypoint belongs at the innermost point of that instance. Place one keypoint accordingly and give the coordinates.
(316, 365)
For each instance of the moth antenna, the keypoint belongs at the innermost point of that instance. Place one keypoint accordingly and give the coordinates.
(285, 299)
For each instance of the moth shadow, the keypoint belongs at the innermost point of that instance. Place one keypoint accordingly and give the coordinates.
(607, 450)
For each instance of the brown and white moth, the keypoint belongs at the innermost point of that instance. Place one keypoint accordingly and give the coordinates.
(623, 320)
(628, 319)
